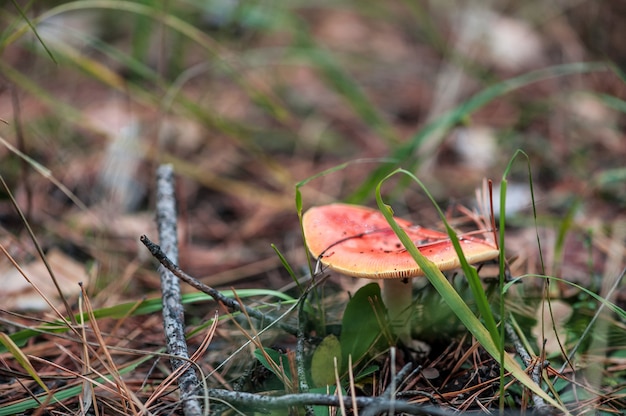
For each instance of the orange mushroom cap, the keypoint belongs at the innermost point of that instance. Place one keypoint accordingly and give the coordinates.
(357, 241)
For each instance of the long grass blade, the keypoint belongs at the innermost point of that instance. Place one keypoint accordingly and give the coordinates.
(22, 359)
(460, 308)
(407, 154)
(34, 30)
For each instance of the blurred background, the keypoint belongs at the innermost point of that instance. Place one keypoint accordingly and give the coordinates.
(248, 98)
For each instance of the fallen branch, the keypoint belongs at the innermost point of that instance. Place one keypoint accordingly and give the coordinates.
(540, 405)
(380, 404)
(173, 312)
(231, 304)
(300, 359)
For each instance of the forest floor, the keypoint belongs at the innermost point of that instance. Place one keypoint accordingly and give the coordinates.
(247, 103)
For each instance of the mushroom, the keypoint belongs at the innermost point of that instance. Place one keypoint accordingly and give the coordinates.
(357, 241)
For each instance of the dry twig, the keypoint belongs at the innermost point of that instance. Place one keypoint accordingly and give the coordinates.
(540, 405)
(173, 312)
(380, 404)
(231, 304)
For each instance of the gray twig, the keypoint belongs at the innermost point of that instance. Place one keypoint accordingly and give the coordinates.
(264, 402)
(540, 405)
(400, 378)
(303, 385)
(173, 313)
(231, 304)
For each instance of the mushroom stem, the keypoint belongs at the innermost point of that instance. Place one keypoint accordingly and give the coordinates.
(397, 296)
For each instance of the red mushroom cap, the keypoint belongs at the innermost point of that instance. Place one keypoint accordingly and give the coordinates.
(357, 241)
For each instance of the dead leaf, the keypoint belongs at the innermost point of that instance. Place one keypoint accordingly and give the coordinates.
(17, 293)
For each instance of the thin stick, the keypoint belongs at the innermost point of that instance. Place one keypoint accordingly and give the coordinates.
(540, 405)
(303, 385)
(342, 406)
(173, 312)
(231, 304)
(352, 386)
(266, 402)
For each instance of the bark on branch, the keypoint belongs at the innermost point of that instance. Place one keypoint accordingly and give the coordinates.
(173, 313)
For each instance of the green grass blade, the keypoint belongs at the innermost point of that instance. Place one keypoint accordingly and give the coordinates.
(34, 30)
(62, 394)
(460, 308)
(143, 308)
(287, 267)
(607, 303)
(406, 155)
(478, 292)
(517, 153)
(22, 359)
(613, 102)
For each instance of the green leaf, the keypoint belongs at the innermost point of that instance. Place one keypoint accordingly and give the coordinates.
(361, 325)
(323, 363)
(279, 364)
(367, 371)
